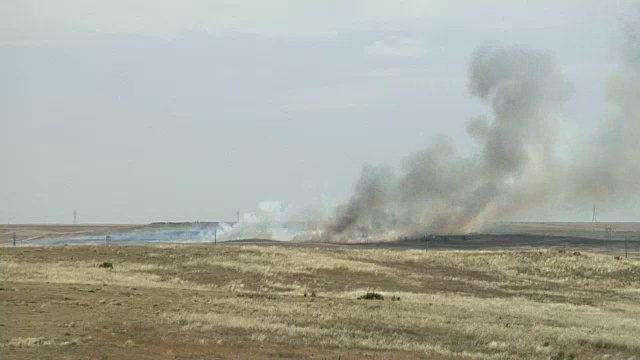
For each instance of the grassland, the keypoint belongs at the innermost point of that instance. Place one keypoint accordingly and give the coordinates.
(26, 232)
(618, 230)
(248, 302)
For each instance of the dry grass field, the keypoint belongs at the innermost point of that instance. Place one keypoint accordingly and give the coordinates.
(277, 302)
(619, 230)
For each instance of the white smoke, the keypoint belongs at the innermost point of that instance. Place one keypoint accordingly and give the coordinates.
(273, 220)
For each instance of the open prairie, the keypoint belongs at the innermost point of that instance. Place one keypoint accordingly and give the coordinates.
(239, 301)
(618, 230)
(30, 232)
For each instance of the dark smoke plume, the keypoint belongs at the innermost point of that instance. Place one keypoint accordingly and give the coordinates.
(440, 191)
(515, 168)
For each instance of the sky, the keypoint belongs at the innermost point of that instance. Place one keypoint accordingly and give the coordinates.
(145, 110)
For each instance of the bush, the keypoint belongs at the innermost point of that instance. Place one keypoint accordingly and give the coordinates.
(371, 296)
(106, 265)
(562, 356)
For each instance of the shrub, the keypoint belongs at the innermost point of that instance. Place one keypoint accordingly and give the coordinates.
(371, 296)
(106, 265)
(562, 356)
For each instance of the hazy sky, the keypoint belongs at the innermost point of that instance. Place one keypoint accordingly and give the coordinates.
(148, 110)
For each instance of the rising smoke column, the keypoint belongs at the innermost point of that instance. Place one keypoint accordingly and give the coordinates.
(370, 207)
(609, 168)
(440, 191)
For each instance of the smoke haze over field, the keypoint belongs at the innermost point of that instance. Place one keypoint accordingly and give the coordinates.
(610, 167)
(440, 191)
(516, 166)
(174, 111)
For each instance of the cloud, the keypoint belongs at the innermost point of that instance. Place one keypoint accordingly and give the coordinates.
(60, 21)
(397, 46)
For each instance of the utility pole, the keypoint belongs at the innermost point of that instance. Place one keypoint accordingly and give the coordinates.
(215, 235)
(75, 217)
(14, 239)
(594, 219)
(626, 239)
(608, 229)
(238, 215)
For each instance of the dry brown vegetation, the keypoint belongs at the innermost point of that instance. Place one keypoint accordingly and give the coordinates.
(262, 302)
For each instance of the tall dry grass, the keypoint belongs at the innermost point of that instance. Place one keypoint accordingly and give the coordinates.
(476, 304)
